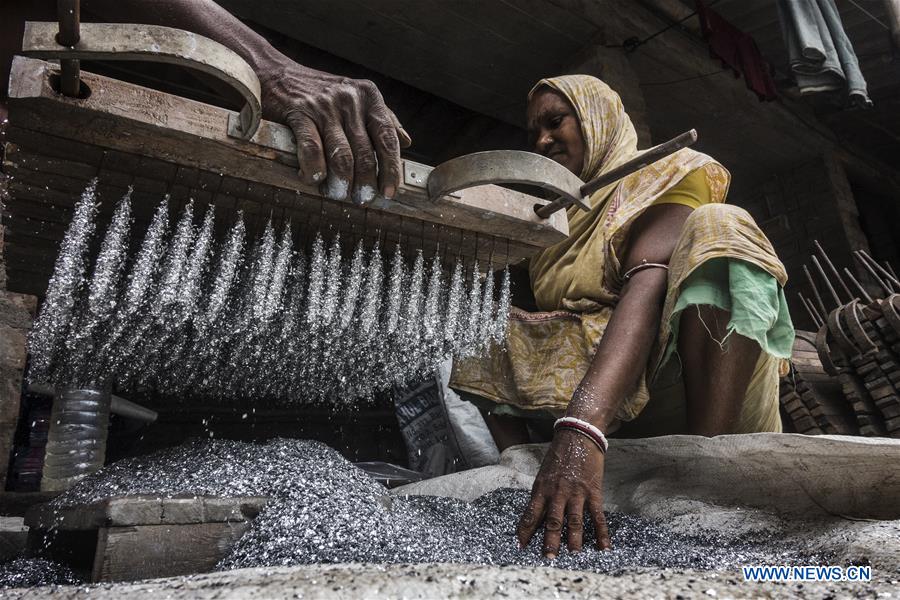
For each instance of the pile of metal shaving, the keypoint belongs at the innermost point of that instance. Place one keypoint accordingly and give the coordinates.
(322, 509)
(32, 572)
(190, 317)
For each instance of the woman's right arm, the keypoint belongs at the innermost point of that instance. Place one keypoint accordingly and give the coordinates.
(571, 476)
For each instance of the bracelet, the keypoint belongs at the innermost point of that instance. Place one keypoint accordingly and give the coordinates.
(584, 428)
(644, 265)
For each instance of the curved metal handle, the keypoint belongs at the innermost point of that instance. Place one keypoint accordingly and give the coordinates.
(504, 166)
(889, 308)
(153, 43)
(862, 341)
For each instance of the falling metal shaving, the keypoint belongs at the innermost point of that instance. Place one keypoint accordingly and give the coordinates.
(187, 317)
(322, 509)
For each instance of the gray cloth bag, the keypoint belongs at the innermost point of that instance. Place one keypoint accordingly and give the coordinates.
(443, 433)
(820, 53)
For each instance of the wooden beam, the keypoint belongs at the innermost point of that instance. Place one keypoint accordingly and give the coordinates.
(127, 511)
(150, 551)
(147, 123)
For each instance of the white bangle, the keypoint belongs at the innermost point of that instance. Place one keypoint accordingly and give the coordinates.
(583, 427)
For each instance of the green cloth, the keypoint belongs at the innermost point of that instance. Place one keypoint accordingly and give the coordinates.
(756, 302)
(754, 298)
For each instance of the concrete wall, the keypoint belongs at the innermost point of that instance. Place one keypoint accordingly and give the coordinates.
(810, 201)
(612, 66)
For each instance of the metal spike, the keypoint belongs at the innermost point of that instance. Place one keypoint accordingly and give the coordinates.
(858, 285)
(887, 289)
(834, 296)
(815, 291)
(888, 277)
(816, 319)
(831, 268)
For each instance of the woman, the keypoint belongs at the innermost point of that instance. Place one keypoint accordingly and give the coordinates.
(663, 312)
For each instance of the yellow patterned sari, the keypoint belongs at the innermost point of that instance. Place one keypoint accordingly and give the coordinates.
(577, 282)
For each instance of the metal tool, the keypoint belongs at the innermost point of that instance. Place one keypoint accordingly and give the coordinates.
(527, 168)
(69, 15)
(71, 42)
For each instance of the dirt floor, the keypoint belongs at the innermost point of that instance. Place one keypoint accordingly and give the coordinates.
(460, 581)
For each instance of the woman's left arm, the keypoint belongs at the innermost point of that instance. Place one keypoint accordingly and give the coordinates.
(571, 475)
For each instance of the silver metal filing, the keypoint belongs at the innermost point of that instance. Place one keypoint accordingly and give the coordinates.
(322, 509)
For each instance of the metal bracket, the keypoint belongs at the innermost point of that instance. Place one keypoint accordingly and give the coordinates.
(152, 43)
(416, 174)
(504, 166)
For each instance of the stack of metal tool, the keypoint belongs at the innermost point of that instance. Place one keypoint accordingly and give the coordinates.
(857, 344)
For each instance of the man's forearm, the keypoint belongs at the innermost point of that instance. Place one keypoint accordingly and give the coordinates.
(623, 351)
(203, 17)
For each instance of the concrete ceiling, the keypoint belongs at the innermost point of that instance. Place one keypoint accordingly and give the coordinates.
(866, 24)
(483, 55)
(486, 54)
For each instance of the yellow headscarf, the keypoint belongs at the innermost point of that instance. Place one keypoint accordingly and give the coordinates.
(609, 135)
(581, 273)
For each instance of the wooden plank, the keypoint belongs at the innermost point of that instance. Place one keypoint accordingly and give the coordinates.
(13, 537)
(38, 213)
(16, 314)
(193, 134)
(149, 551)
(25, 282)
(126, 511)
(19, 503)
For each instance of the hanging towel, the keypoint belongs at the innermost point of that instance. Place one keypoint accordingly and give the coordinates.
(738, 51)
(820, 53)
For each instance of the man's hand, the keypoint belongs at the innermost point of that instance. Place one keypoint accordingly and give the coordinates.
(348, 141)
(570, 480)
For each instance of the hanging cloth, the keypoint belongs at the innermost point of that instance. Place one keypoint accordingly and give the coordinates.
(738, 51)
(820, 53)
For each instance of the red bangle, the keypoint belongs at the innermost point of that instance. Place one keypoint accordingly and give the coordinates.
(585, 429)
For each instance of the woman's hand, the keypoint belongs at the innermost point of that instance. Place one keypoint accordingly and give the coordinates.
(570, 480)
(343, 129)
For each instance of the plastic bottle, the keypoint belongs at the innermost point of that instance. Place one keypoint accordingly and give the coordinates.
(76, 443)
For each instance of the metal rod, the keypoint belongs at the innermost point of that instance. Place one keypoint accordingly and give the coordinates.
(831, 268)
(810, 310)
(624, 170)
(815, 290)
(69, 15)
(118, 406)
(837, 300)
(820, 318)
(858, 285)
(639, 162)
(887, 289)
(887, 265)
(888, 277)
